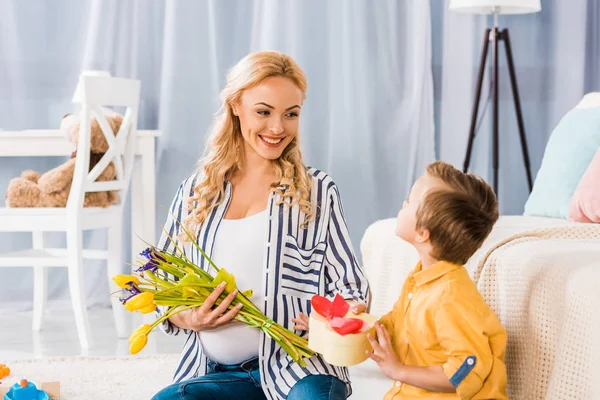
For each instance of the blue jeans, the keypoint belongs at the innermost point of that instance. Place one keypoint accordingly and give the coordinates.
(224, 382)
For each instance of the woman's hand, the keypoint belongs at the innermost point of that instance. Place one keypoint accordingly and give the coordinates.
(301, 324)
(205, 318)
(356, 307)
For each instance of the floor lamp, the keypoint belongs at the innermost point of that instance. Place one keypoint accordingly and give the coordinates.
(494, 36)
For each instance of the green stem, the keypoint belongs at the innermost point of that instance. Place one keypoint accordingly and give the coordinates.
(196, 244)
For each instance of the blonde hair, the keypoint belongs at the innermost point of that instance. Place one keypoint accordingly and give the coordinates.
(225, 142)
(460, 216)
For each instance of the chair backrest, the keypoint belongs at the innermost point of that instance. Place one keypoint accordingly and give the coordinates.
(97, 93)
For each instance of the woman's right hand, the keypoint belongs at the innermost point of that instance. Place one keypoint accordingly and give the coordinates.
(205, 318)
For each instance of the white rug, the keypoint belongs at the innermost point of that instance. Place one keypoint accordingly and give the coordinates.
(102, 378)
(140, 377)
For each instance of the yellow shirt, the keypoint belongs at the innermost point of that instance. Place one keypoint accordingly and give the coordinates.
(442, 319)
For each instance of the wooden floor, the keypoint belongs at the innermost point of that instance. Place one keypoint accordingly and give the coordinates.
(59, 336)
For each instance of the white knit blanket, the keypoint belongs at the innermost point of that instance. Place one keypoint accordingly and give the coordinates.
(543, 284)
(542, 278)
(98, 378)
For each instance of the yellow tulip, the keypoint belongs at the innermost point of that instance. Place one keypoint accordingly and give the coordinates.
(123, 280)
(142, 330)
(139, 301)
(138, 343)
(148, 309)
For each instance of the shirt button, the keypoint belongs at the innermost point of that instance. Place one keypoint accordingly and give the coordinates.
(410, 295)
(397, 384)
(406, 340)
(470, 361)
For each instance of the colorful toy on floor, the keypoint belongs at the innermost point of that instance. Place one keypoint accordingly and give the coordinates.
(337, 333)
(4, 371)
(25, 390)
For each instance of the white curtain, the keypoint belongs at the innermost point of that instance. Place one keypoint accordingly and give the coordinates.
(368, 120)
(557, 60)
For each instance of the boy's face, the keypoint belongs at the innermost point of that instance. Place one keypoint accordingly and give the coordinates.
(407, 217)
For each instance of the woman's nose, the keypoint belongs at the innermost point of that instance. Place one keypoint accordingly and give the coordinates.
(277, 126)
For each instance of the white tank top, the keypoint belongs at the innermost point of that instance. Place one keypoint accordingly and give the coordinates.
(239, 247)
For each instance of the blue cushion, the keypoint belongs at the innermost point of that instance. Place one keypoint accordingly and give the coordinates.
(568, 153)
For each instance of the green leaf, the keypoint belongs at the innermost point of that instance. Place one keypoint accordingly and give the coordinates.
(181, 302)
(229, 279)
(194, 280)
(158, 281)
(191, 238)
(190, 292)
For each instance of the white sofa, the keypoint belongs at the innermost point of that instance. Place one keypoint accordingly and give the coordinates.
(542, 278)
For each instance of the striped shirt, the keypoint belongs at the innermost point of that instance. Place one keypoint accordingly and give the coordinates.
(298, 263)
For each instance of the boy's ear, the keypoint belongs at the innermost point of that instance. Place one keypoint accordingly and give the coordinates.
(422, 236)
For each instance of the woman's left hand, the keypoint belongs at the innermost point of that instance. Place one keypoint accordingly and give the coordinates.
(301, 324)
(356, 307)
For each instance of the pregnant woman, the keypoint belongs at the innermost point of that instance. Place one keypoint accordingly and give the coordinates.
(277, 226)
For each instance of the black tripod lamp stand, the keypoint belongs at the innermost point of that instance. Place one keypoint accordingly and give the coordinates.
(494, 36)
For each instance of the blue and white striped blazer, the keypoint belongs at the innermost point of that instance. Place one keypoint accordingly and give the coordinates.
(299, 263)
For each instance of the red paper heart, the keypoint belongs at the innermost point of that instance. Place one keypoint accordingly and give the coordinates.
(322, 306)
(339, 307)
(335, 312)
(345, 326)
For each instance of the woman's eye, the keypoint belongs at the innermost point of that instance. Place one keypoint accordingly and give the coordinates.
(263, 112)
(292, 115)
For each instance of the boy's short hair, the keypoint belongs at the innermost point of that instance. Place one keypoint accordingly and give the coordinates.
(458, 217)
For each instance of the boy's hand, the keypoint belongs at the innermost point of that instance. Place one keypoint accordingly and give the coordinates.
(383, 353)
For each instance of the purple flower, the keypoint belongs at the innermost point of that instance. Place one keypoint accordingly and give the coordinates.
(151, 253)
(154, 256)
(133, 289)
(157, 255)
(123, 300)
(147, 253)
(150, 265)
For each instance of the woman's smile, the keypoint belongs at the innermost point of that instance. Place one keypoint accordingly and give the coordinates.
(271, 141)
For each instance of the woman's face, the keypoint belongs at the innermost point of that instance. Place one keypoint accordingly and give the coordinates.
(269, 114)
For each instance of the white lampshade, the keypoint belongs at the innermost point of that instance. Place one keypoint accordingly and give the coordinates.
(496, 6)
(77, 94)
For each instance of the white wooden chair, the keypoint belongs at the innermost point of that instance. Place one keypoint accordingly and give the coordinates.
(74, 218)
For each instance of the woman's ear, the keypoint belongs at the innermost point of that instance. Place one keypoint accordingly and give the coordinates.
(234, 108)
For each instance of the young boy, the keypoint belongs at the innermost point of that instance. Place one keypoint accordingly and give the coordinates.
(441, 340)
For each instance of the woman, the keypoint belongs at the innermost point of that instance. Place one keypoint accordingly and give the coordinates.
(278, 226)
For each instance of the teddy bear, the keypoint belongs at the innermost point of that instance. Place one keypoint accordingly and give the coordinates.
(51, 189)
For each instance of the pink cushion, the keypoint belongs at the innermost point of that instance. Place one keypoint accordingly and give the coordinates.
(585, 204)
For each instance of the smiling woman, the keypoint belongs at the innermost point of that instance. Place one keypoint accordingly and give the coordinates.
(276, 125)
(277, 226)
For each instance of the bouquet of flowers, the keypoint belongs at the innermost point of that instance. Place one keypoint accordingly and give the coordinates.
(170, 279)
